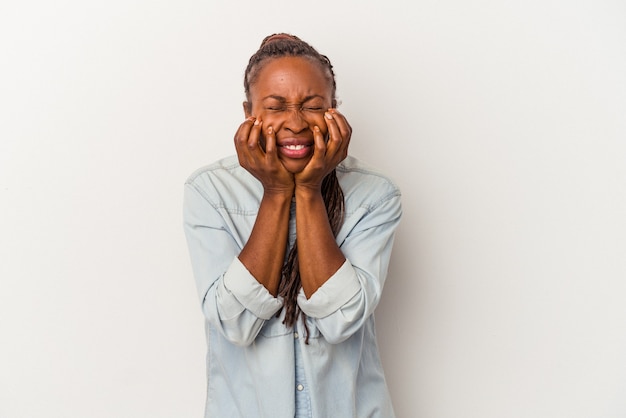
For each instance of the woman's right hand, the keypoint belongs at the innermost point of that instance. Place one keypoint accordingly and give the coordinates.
(264, 165)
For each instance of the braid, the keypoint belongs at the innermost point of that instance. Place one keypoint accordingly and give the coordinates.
(278, 46)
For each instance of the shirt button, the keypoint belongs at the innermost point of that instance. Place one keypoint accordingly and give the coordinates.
(300, 388)
(295, 335)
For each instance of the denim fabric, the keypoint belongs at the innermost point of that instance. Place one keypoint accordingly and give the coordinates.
(251, 357)
(303, 399)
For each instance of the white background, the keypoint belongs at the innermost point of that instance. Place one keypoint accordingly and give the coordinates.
(503, 123)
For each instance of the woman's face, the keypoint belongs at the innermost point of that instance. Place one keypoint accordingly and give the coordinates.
(291, 95)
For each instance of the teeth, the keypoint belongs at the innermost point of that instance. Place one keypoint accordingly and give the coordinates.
(295, 147)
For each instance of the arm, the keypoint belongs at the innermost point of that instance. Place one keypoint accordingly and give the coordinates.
(232, 300)
(320, 256)
(346, 300)
(264, 252)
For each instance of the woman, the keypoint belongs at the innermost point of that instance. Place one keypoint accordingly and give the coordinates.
(289, 316)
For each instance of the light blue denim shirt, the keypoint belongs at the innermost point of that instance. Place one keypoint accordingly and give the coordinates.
(251, 357)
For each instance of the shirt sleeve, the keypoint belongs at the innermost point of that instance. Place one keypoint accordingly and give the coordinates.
(233, 301)
(346, 300)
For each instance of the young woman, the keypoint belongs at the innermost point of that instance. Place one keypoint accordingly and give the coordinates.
(290, 243)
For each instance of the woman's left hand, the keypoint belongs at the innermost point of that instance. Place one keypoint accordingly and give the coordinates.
(326, 155)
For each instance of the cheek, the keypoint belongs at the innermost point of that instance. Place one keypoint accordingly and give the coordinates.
(320, 121)
(276, 120)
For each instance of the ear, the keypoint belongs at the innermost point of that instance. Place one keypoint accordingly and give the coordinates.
(247, 109)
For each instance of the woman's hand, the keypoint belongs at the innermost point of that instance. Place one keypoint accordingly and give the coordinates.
(264, 165)
(326, 155)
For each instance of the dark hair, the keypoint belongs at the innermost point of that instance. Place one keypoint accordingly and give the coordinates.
(281, 45)
(284, 45)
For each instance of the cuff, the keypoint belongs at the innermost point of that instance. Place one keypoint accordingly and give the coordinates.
(249, 292)
(333, 294)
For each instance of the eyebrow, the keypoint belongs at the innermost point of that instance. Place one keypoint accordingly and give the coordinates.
(283, 100)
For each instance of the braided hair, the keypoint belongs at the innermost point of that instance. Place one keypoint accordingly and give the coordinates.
(285, 45)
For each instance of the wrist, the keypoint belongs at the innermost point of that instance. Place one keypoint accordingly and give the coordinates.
(307, 192)
(278, 194)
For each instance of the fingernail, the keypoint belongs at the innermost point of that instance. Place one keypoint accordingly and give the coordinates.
(270, 130)
(257, 122)
(328, 115)
(316, 128)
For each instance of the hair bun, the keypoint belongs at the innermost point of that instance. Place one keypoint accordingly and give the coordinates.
(279, 36)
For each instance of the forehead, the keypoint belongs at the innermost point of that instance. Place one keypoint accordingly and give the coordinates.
(291, 77)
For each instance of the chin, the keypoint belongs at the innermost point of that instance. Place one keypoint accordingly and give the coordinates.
(295, 166)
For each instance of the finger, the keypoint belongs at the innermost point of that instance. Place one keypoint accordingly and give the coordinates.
(243, 132)
(346, 132)
(320, 144)
(253, 137)
(335, 140)
(342, 124)
(253, 141)
(270, 143)
(241, 142)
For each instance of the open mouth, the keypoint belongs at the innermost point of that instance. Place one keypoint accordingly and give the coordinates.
(295, 150)
(294, 147)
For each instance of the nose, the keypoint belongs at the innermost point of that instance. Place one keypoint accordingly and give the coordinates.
(295, 120)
